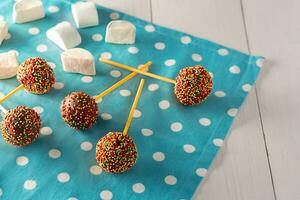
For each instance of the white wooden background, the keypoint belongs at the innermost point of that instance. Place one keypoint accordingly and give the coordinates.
(261, 159)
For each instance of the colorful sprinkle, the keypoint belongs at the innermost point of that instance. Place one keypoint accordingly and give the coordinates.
(116, 153)
(79, 110)
(21, 126)
(193, 85)
(36, 75)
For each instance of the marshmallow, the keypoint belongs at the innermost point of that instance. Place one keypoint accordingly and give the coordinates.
(8, 64)
(78, 60)
(27, 11)
(120, 32)
(85, 14)
(64, 35)
(3, 31)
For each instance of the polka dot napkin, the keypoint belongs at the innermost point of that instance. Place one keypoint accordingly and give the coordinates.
(176, 144)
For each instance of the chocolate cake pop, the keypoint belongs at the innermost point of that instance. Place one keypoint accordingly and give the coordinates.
(192, 85)
(21, 126)
(79, 110)
(116, 152)
(36, 75)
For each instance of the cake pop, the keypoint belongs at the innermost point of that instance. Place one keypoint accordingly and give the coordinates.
(20, 126)
(80, 111)
(192, 85)
(116, 152)
(35, 76)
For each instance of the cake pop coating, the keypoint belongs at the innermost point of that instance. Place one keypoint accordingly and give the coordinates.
(36, 75)
(21, 126)
(193, 85)
(116, 153)
(79, 110)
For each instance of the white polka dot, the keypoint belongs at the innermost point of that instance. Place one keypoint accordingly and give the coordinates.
(15, 51)
(218, 142)
(86, 146)
(125, 93)
(41, 48)
(72, 198)
(30, 184)
(247, 87)
(1, 18)
(220, 94)
(204, 121)
(38, 109)
(232, 112)
(106, 116)
(114, 15)
(170, 180)
(133, 50)
(149, 28)
(164, 104)
(196, 57)
(106, 55)
(58, 85)
(87, 79)
(160, 46)
(201, 172)
(106, 195)
(186, 39)
(158, 156)
(52, 65)
(234, 69)
(138, 188)
(260, 62)
(22, 160)
(54, 153)
(115, 73)
(97, 37)
(188, 148)
(1, 191)
(63, 177)
(33, 31)
(137, 113)
(147, 132)
(153, 87)
(223, 52)
(95, 170)
(46, 130)
(53, 9)
(8, 36)
(176, 126)
(170, 62)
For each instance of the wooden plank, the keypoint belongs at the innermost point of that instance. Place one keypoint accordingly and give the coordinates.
(241, 170)
(274, 31)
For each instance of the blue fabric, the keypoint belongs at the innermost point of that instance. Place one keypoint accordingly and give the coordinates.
(175, 175)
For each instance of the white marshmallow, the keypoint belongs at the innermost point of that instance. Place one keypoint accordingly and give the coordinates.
(120, 32)
(78, 60)
(64, 35)
(8, 64)
(3, 31)
(27, 11)
(85, 14)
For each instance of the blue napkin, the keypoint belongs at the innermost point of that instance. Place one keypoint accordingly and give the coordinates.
(176, 143)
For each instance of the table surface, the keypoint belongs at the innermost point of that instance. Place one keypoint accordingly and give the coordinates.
(260, 159)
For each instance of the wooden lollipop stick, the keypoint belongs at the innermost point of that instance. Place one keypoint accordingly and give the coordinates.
(116, 64)
(116, 85)
(135, 102)
(11, 93)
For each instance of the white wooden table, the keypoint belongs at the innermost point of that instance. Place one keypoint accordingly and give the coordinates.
(261, 159)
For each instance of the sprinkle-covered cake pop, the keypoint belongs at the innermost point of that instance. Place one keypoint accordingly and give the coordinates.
(193, 85)
(36, 75)
(21, 126)
(79, 110)
(116, 152)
